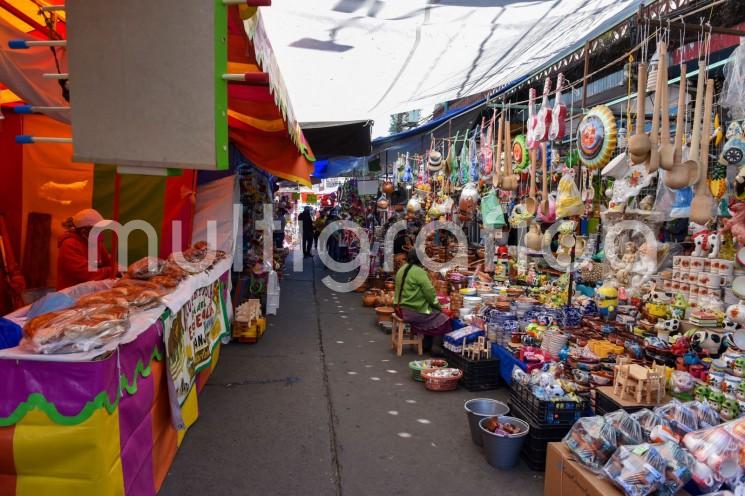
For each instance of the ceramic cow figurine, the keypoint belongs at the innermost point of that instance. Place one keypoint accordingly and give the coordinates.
(707, 242)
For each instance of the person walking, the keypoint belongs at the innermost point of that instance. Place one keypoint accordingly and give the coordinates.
(306, 221)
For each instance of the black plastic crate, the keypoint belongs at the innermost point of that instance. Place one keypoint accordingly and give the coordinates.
(534, 460)
(536, 442)
(478, 375)
(479, 385)
(543, 412)
(472, 367)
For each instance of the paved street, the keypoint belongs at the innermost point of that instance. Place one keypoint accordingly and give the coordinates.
(322, 406)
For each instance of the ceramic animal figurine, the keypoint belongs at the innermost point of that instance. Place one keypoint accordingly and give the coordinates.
(730, 409)
(715, 399)
(707, 341)
(739, 369)
(666, 327)
(659, 304)
(701, 392)
(707, 242)
(682, 382)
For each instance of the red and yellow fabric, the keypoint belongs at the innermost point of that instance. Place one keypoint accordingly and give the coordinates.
(256, 124)
(42, 178)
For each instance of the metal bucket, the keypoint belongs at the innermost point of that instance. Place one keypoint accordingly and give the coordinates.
(479, 408)
(503, 451)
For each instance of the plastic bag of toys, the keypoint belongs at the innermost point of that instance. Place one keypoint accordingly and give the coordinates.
(682, 419)
(706, 415)
(719, 453)
(629, 430)
(593, 440)
(639, 470)
(678, 470)
(648, 420)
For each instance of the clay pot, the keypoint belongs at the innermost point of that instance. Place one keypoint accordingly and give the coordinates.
(534, 237)
(370, 298)
(390, 284)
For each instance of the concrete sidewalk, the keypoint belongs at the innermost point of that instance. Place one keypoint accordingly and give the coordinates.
(322, 406)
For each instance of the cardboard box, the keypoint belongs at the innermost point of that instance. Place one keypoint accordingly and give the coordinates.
(567, 477)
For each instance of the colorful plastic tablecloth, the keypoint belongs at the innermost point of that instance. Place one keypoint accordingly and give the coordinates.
(104, 426)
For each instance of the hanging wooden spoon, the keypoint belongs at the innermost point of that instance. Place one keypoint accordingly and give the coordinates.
(639, 142)
(692, 164)
(510, 181)
(667, 149)
(544, 181)
(654, 133)
(530, 203)
(677, 177)
(703, 202)
(497, 177)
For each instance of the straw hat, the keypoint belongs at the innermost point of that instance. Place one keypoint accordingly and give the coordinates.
(434, 163)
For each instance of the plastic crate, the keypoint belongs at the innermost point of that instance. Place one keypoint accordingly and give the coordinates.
(543, 412)
(535, 461)
(478, 375)
(536, 442)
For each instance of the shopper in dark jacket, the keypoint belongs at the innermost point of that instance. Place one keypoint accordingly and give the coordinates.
(306, 221)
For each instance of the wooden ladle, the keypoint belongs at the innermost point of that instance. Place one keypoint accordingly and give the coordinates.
(544, 180)
(678, 176)
(497, 177)
(639, 143)
(667, 149)
(692, 164)
(703, 202)
(510, 181)
(654, 133)
(530, 202)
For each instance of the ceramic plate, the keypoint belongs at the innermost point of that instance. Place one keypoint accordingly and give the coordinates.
(738, 287)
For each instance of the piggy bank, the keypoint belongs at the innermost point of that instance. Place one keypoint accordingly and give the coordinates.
(682, 382)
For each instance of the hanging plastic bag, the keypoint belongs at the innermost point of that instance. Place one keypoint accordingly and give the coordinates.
(568, 200)
(491, 211)
(733, 91)
(469, 199)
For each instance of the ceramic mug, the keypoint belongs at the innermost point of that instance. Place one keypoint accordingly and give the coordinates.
(668, 285)
(731, 382)
(726, 267)
(694, 291)
(677, 260)
(685, 288)
(685, 263)
(677, 275)
(707, 265)
(693, 277)
(697, 264)
(704, 279)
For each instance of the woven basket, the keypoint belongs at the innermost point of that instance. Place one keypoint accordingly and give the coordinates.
(441, 383)
(417, 366)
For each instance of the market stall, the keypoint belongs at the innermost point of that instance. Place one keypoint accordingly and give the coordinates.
(95, 402)
(601, 271)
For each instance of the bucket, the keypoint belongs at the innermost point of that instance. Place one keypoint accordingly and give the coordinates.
(479, 408)
(503, 451)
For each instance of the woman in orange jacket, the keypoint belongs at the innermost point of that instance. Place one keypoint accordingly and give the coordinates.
(72, 258)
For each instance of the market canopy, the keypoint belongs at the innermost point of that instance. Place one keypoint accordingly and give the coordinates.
(353, 60)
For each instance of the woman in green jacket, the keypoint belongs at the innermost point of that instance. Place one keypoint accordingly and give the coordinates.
(416, 302)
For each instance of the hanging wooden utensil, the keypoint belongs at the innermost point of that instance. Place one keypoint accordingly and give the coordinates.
(677, 177)
(497, 177)
(639, 143)
(692, 164)
(667, 149)
(543, 207)
(530, 203)
(654, 134)
(510, 181)
(703, 203)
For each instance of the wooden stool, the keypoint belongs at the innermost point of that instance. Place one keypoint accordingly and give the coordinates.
(399, 338)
